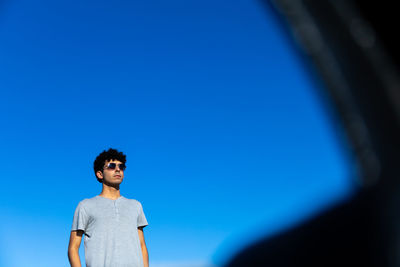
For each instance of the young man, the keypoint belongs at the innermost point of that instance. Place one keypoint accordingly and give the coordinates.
(112, 225)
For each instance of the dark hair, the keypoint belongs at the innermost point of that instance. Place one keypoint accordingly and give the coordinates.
(110, 154)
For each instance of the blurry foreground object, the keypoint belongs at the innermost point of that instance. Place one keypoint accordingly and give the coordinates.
(353, 46)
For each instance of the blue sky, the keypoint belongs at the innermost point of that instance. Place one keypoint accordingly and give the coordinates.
(225, 136)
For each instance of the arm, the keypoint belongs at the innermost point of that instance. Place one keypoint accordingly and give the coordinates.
(73, 248)
(144, 248)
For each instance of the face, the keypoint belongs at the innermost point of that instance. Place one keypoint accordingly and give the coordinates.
(111, 176)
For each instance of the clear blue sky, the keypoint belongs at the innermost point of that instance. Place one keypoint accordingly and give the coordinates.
(225, 137)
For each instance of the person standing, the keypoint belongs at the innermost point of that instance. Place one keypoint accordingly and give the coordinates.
(112, 225)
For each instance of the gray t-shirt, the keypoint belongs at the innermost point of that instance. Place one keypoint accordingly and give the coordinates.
(111, 231)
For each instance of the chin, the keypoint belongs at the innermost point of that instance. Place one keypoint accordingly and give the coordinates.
(113, 183)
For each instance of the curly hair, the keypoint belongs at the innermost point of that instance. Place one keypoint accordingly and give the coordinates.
(110, 154)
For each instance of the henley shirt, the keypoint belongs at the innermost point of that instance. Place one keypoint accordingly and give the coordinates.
(111, 231)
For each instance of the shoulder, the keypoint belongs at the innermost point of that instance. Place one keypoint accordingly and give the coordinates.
(87, 203)
(132, 202)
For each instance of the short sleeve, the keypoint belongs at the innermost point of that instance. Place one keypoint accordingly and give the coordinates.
(141, 220)
(80, 218)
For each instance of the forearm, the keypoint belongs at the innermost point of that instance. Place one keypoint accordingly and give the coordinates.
(145, 256)
(73, 256)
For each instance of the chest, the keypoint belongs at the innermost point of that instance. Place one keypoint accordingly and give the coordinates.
(113, 214)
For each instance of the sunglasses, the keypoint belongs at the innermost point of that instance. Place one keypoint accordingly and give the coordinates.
(113, 166)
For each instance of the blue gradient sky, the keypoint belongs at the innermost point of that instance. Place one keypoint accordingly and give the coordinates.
(225, 137)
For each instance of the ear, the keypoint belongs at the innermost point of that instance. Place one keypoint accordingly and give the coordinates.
(99, 174)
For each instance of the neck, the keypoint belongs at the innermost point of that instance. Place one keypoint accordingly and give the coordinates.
(111, 192)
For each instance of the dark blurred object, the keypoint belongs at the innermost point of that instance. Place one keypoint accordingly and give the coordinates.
(353, 47)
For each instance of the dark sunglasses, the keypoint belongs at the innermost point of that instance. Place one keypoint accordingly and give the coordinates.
(113, 166)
